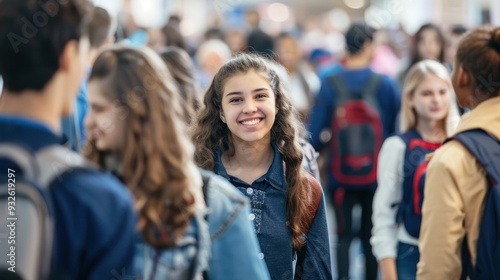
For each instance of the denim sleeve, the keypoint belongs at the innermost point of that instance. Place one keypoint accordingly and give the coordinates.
(240, 249)
(321, 113)
(317, 261)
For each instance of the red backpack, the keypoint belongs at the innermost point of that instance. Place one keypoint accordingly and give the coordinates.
(357, 134)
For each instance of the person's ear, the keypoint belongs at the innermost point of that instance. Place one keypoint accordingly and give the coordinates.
(68, 55)
(109, 42)
(464, 77)
(222, 117)
(409, 99)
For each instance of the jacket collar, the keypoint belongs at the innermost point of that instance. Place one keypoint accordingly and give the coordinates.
(275, 175)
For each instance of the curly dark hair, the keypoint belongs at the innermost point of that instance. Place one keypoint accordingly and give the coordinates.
(210, 134)
(183, 71)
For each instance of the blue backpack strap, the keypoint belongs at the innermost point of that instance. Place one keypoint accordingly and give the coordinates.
(408, 136)
(486, 149)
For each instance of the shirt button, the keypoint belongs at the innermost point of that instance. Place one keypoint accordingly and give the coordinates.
(251, 217)
(261, 256)
(249, 191)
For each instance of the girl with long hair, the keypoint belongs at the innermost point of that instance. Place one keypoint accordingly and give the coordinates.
(427, 43)
(428, 116)
(136, 131)
(183, 71)
(248, 132)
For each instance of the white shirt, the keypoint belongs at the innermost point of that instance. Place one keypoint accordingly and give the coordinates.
(296, 90)
(386, 233)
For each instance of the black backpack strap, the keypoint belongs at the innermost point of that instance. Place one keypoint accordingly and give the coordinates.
(341, 90)
(343, 93)
(369, 93)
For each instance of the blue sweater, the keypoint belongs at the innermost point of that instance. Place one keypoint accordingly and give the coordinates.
(93, 215)
(320, 118)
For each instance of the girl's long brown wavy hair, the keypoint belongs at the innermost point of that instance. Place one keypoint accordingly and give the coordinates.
(210, 133)
(157, 153)
(183, 71)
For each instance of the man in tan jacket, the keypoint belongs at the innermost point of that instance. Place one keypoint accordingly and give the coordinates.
(456, 183)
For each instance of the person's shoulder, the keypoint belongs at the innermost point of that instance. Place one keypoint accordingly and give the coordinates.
(224, 202)
(90, 186)
(385, 80)
(221, 191)
(451, 156)
(395, 142)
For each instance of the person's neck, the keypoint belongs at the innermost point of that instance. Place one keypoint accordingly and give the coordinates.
(92, 57)
(431, 131)
(34, 105)
(357, 62)
(251, 155)
(291, 69)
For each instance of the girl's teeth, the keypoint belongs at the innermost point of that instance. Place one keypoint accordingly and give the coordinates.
(252, 122)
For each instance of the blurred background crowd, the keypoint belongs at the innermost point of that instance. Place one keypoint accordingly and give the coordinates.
(306, 37)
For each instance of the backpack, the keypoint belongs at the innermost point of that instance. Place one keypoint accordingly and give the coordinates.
(309, 161)
(26, 208)
(414, 169)
(357, 134)
(486, 150)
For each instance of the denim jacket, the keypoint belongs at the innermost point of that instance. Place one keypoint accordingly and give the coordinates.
(225, 247)
(268, 202)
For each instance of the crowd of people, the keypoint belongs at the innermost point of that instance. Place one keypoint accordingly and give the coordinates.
(220, 162)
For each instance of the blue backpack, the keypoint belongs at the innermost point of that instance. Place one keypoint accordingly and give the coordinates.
(486, 149)
(414, 170)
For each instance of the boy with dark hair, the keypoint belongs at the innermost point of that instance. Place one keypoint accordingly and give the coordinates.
(258, 41)
(358, 108)
(101, 31)
(43, 47)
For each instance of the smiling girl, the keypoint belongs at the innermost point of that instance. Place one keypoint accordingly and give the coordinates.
(248, 133)
(428, 116)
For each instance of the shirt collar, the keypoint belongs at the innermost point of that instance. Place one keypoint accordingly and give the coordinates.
(275, 175)
(27, 132)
